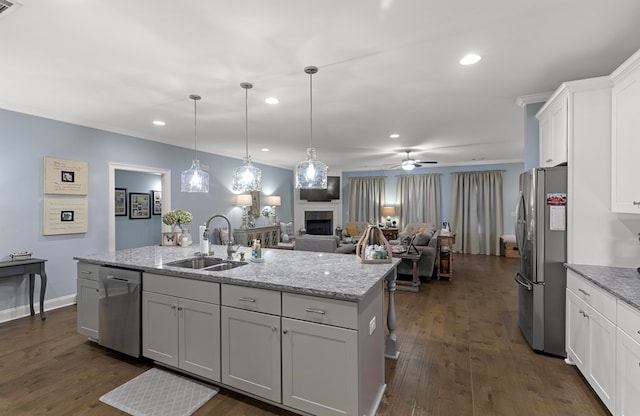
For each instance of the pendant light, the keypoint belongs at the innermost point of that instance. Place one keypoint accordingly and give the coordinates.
(311, 173)
(247, 178)
(195, 179)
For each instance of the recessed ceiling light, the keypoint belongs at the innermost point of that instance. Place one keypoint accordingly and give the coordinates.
(470, 59)
(272, 100)
(264, 149)
(394, 135)
(159, 122)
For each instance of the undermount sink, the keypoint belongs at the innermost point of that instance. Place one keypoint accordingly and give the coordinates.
(207, 263)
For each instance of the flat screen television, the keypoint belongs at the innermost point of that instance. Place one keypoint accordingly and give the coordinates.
(323, 195)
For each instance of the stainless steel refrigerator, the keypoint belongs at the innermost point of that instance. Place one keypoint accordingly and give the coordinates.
(542, 243)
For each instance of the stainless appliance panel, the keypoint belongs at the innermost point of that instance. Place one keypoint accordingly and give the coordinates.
(541, 274)
(119, 307)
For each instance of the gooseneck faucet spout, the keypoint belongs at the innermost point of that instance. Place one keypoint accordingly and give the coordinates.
(206, 233)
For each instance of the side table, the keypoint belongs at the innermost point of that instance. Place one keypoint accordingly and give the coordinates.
(390, 233)
(444, 256)
(414, 284)
(29, 267)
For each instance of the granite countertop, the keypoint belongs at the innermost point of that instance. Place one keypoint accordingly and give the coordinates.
(621, 282)
(337, 276)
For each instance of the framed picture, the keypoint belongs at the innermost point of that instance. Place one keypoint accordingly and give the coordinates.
(156, 197)
(139, 206)
(170, 239)
(121, 202)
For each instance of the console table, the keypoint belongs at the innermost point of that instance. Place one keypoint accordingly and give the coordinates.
(269, 236)
(444, 256)
(29, 267)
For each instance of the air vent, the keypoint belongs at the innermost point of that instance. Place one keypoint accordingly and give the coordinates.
(5, 5)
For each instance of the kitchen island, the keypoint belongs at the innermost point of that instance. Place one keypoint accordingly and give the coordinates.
(301, 330)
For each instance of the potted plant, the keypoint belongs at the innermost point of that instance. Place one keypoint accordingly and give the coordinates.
(180, 218)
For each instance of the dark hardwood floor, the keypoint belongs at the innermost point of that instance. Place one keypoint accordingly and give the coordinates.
(461, 353)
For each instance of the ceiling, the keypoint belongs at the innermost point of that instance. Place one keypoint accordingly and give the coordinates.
(385, 66)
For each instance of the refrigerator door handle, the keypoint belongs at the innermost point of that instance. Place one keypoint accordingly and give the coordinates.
(523, 281)
(520, 222)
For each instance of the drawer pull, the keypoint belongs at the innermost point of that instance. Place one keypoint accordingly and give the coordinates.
(548, 160)
(173, 307)
(86, 272)
(318, 311)
(584, 292)
(638, 331)
(636, 202)
(244, 299)
(285, 331)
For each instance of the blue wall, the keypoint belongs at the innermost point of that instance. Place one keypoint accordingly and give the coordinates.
(132, 233)
(27, 139)
(509, 182)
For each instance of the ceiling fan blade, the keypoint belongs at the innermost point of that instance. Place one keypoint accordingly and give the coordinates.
(426, 161)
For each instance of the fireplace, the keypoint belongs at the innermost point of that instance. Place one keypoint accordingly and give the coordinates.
(318, 222)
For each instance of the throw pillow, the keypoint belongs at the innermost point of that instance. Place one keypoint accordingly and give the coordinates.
(423, 238)
(223, 235)
(421, 229)
(286, 228)
(352, 230)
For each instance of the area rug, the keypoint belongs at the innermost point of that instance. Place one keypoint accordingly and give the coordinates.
(159, 393)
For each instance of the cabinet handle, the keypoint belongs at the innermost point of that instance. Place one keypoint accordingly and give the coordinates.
(274, 329)
(636, 202)
(548, 160)
(285, 331)
(584, 291)
(319, 311)
(247, 299)
(86, 272)
(179, 308)
(173, 307)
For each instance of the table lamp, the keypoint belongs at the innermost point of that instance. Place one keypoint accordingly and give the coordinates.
(244, 200)
(388, 212)
(274, 201)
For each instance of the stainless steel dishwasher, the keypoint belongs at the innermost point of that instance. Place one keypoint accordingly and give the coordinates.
(119, 306)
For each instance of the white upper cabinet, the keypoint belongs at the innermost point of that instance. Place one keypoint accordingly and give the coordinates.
(625, 139)
(554, 130)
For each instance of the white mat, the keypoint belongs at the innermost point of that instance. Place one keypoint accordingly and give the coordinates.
(157, 393)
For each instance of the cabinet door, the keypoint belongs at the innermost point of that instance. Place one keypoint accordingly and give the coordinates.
(577, 331)
(251, 352)
(627, 375)
(602, 362)
(625, 145)
(199, 338)
(87, 308)
(160, 328)
(554, 133)
(545, 145)
(319, 368)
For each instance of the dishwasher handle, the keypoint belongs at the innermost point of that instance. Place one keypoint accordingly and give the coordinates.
(120, 279)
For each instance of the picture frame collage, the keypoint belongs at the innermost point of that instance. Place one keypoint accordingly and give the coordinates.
(137, 205)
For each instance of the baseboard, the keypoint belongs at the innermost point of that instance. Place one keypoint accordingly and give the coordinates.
(49, 304)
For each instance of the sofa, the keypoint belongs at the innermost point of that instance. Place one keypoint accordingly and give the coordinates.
(354, 229)
(426, 242)
(323, 243)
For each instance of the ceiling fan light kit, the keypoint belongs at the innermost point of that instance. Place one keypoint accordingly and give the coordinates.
(311, 173)
(410, 163)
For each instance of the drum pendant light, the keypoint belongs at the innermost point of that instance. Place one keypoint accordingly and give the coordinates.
(195, 179)
(247, 178)
(311, 173)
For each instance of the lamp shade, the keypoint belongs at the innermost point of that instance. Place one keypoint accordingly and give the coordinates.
(388, 211)
(273, 200)
(244, 200)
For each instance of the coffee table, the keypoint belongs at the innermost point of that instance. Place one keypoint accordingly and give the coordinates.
(414, 284)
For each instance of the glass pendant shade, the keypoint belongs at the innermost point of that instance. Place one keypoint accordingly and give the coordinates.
(408, 165)
(195, 179)
(247, 177)
(311, 173)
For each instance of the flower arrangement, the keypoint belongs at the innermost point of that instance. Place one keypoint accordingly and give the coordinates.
(177, 217)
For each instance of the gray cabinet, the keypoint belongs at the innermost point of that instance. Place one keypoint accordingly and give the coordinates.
(181, 324)
(87, 300)
(251, 340)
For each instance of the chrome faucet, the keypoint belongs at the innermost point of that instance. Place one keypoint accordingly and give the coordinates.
(206, 233)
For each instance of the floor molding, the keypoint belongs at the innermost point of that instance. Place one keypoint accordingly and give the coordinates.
(49, 304)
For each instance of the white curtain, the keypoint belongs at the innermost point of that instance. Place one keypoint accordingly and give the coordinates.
(366, 198)
(418, 198)
(476, 211)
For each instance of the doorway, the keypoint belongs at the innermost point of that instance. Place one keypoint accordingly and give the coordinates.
(165, 180)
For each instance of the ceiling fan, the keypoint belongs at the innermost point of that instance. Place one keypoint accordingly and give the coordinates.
(409, 163)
